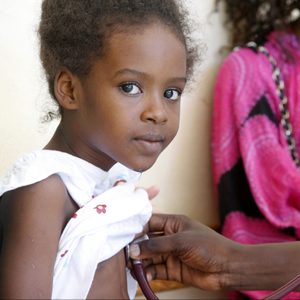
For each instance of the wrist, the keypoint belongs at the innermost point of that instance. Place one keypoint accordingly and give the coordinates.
(261, 267)
(232, 277)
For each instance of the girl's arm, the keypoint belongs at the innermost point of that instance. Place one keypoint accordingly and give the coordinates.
(32, 219)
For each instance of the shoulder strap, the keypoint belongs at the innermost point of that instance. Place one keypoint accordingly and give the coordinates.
(283, 105)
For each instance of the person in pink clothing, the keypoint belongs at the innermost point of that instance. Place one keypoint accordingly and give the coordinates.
(255, 127)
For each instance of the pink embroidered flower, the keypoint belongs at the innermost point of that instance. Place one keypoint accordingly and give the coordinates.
(100, 208)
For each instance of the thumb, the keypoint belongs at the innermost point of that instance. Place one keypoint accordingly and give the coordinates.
(153, 246)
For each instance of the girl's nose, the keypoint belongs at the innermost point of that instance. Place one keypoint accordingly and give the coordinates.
(155, 110)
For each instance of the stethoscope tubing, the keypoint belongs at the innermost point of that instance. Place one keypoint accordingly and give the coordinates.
(139, 272)
(140, 276)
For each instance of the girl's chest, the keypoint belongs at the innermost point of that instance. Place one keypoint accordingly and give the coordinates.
(110, 281)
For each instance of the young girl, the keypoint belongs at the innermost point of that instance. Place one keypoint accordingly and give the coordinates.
(117, 70)
(256, 132)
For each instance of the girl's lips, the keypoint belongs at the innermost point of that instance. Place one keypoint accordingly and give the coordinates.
(149, 144)
(151, 138)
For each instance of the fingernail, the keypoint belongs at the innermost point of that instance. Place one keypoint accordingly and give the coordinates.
(134, 250)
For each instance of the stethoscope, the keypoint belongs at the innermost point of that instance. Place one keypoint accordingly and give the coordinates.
(139, 272)
(137, 265)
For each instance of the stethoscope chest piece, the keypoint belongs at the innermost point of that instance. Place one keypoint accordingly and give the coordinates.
(139, 272)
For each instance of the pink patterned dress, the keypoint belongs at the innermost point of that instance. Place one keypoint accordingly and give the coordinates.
(257, 182)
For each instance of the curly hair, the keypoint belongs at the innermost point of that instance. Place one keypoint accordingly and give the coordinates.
(73, 33)
(253, 20)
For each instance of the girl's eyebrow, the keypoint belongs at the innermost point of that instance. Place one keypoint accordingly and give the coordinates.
(127, 71)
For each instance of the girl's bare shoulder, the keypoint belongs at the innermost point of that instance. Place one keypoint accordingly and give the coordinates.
(48, 197)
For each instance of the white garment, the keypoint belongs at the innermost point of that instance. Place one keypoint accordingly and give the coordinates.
(108, 218)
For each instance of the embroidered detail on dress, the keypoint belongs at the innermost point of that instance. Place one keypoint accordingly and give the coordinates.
(63, 254)
(100, 208)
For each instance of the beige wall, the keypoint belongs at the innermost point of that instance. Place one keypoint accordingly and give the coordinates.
(183, 170)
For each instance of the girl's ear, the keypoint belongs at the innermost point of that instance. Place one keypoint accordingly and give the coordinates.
(64, 89)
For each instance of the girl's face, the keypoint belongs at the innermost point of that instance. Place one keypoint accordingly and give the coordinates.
(129, 103)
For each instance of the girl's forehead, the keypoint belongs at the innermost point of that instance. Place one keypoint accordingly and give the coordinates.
(154, 38)
(154, 51)
(134, 30)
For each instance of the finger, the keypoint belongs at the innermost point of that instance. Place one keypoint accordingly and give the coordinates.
(168, 269)
(149, 248)
(165, 223)
(146, 230)
(158, 271)
(157, 223)
(152, 192)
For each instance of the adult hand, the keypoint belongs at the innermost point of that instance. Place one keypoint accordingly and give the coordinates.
(192, 253)
(186, 251)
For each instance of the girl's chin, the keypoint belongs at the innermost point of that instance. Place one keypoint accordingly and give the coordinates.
(141, 167)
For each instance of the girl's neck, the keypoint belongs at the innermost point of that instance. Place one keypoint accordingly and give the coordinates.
(61, 141)
(58, 142)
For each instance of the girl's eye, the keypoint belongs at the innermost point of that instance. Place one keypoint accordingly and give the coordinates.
(130, 88)
(172, 94)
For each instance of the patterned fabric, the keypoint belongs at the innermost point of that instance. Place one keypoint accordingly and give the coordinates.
(108, 218)
(257, 182)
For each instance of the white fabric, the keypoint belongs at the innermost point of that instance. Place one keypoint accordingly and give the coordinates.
(107, 221)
